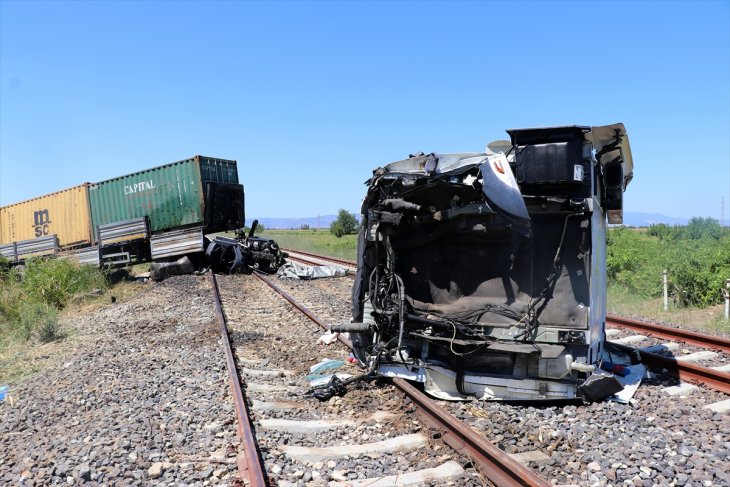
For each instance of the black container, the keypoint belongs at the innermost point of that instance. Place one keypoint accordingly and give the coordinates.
(552, 156)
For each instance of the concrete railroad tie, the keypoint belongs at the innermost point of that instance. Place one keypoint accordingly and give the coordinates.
(682, 389)
(267, 372)
(629, 339)
(450, 470)
(316, 426)
(669, 346)
(697, 356)
(720, 406)
(400, 443)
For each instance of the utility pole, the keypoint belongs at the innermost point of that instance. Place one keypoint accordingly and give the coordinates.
(722, 212)
(726, 295)
(666, 294)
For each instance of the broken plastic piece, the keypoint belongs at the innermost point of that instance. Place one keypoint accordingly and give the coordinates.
(338, 387)
(631, 383)
(319, 380)
(335, 387)
(328, 338)
(500, 187)
(432, 162)
(599, 386)
(617, 369)
(3, 392)
(326, 365)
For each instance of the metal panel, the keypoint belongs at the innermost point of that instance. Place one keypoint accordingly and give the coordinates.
(170, 195)
(87, 256)
(214, 170)
(8, 251)
(64, 213)
(36, 247)
(177, 242)
(124, 231)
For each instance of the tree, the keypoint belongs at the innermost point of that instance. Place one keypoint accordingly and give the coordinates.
(345, 224)
(699, 228)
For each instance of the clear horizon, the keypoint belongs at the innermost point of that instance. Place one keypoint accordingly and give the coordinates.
(310, 97)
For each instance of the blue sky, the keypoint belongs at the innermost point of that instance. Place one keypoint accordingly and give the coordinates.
(310, 97)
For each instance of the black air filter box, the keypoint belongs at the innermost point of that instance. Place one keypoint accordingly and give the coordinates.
(550, 156)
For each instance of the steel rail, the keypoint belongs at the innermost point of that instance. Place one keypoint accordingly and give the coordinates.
(687, 371)
(303, 309)
(670, 333)
(496, 465)
(251, 466)
(303, 261)
(346, 263)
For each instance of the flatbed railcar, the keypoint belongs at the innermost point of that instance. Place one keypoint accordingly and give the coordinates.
(482, 275)
(154, 214)
(47, 224)
(166, 210)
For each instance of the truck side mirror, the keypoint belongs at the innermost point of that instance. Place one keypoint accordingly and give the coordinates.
(613, 186)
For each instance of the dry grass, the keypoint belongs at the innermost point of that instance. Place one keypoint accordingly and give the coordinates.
(624, 303)
(22, 360)
(317, 241)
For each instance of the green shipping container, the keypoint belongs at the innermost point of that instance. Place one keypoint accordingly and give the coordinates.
(200, 191)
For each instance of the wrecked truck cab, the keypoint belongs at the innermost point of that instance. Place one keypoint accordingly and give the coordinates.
(482, 275)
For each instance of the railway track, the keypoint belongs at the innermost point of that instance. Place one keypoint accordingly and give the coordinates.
(496, 466)
(670, 333)
(661, 355)
(317, 259)
(250, 465)
(553, 441)
(309, 262)
(576, 444)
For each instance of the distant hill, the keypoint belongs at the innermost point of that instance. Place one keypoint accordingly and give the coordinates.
(634, 219)
(638, 219)
(322, 221)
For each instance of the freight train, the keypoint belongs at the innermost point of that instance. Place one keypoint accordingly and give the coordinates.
(483, 275)
(152, 214)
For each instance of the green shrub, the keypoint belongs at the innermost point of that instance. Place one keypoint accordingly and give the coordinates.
(29, 301)
(696, 229)
(38, 320)
(11, 295)
(345, 224)
(55, 281)
(5, 267)
(696, 256)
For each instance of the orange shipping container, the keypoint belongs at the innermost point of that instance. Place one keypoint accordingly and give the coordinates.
(63, 213)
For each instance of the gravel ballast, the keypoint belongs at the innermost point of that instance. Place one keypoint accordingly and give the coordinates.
(657, 439)
(144, 401)
(270, 335)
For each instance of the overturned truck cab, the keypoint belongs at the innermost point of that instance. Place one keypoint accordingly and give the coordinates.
(483, 275)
